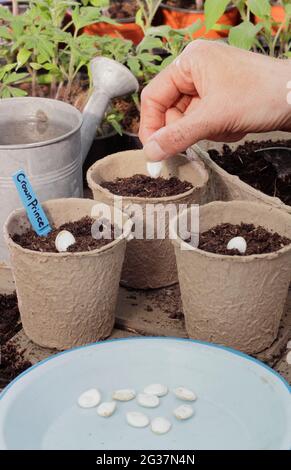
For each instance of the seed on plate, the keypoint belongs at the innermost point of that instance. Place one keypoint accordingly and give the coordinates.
(160, 425)
(183, 412)
(90, 398)
(147, 400)
(156, 389)
(137, 419)
(125, 394)
(106, 409)
(154, 169)
(237, 243)
(185, 394)
(63, 240)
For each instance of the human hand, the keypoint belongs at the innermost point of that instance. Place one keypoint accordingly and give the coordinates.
(216, 92)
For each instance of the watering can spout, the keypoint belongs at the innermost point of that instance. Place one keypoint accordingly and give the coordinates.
(110, 79)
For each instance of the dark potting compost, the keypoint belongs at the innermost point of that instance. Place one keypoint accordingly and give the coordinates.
(12, 363)
(122, 9)
(185, 4)
(145, 186)
(9, 315)
(269, 174)
(258, 239)
(81, 230)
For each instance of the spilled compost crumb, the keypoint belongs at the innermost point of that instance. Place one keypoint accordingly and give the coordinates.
(145, 186)
(12, 363)
(272, 176)
(81, 230)
(259, 240)
(9, 315)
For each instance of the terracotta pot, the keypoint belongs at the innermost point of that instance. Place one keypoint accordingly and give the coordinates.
(148, 263)
(227, 187)
(126, 28)
(182, 18)
(236, 301)
(65, 299)
(278, 15)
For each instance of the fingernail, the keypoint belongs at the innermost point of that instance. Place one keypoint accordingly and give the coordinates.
(153, 151)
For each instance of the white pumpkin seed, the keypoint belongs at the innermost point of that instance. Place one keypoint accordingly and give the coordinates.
(156, 389)
(160, 425)
(183, 412)
(288, 358)
(237, 243)
(63, 240)
(137, 419)
(154, 169)
(147, 400)
(106, 409)
(185, 394)
(125, 394)
(289, 344)
(90, 398)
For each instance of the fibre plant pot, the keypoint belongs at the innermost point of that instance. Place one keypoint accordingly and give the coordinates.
(182, 18)
(236, 301)
(65, 299)
(125, 27)
(149, 263)
(227, 187)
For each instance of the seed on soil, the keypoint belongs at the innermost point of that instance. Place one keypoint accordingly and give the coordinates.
(147, 400)
(137, 419)
(237, 243)
(106, 409)
(90, 398)
(160, 425)
(125, 394)
(183, 412)
(156, 389)
(185, 394)
(154, 169)
(64, 239)
(289, 344)
(288, 358)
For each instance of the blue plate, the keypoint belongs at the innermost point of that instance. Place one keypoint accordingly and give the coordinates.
(242, 404)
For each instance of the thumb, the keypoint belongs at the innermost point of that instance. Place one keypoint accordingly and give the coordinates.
(182, 133)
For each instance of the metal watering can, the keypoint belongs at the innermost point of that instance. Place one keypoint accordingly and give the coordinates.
(50, 139)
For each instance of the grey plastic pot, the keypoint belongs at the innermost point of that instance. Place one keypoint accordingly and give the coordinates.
(237, 301)
(65, 299)
(151, 263)
(227, 187)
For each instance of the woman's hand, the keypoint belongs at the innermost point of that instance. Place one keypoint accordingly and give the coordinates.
(216, 92)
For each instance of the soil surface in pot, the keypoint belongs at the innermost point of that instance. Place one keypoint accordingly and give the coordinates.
(272, 176)
(258, 239)
(145, 186)
(9, 315)
(81, 230)
(186, 4)
(122, 9)
(12, 363)
(131, 115)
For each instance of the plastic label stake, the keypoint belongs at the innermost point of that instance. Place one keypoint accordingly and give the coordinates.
(35, 212)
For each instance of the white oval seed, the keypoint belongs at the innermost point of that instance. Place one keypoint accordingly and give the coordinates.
(90, 398)
(137, 419)
(156, 389)
(125, 394)
(183, 412)
(106, 409)
(63, 240)
(288, 357)
(147, 400)
(237, 243)
(154, 169)
(160, 425)
(185, 394)
(289, 344)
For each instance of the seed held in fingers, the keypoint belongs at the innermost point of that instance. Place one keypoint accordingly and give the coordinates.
(125, 394)
(185, 394)
(183, 412)
(154, 169)
(160, 425)
(137, 419)
(106, 409)
(147, 400)
(90, 398)
(156, 389)
(63, 240)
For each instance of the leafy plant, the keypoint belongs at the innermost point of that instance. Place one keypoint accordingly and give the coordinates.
(10, 80)
(146, 12)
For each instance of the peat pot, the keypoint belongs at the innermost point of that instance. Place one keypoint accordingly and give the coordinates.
(65, 299)
(148, 263)
(237, 301)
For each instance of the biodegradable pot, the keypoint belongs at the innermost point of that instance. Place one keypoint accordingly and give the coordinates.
(236, 301)
(182, 18)
(148, 263)
(124, 27)
(227, 187)
(65, 299)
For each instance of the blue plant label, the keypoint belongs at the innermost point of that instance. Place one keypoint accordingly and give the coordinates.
(34, 211)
